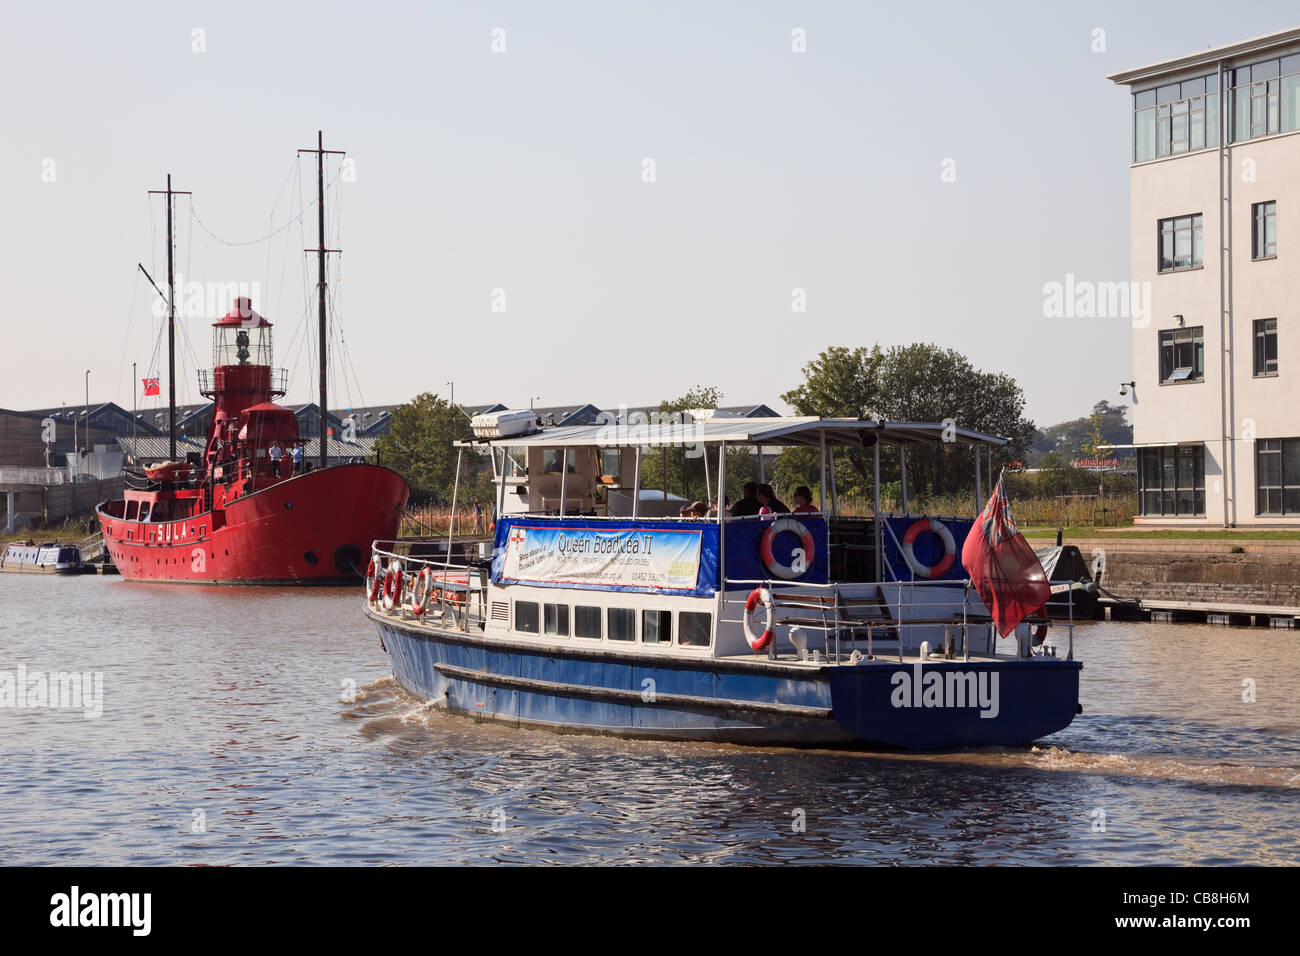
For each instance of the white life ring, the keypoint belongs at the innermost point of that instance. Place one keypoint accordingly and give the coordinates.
(756, 597)
(765, 547)
(393, 586)
(421, 592)
(374, 582)
(949, 548)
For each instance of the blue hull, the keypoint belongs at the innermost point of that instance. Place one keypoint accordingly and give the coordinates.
(739, 701)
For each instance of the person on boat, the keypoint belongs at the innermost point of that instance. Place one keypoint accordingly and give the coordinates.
(748, 503)
(275, 453)
(803, 501)
(478, 518)
(297, 458)
(767, 499)
(699, 509)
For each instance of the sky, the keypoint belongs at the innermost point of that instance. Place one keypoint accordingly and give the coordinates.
(575, 202)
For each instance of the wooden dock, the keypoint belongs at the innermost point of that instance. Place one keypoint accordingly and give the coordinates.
(1205, 612)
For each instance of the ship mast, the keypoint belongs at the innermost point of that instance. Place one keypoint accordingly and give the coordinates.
(320, 251)
(171, 321)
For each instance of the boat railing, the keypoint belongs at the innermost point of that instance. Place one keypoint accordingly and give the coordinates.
(414, 587)
(843, 612)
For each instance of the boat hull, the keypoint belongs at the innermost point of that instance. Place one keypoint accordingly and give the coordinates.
(725, 700)
(315, 528)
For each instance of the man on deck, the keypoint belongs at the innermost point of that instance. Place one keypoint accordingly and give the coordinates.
(274, 453)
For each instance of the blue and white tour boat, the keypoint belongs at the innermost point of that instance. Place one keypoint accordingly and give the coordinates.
(599, 609)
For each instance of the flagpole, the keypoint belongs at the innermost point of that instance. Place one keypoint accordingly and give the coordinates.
(135, 415)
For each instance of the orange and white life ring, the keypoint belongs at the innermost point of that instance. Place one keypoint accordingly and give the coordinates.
(787, 571)
(393, 586)
(422, 591)
(756, 597)
(374, 582)
(936, 526)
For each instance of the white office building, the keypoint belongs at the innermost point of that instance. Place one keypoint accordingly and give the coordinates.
(1215, 236)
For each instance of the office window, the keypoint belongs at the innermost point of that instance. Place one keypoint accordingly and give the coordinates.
(1171, 480)
(622, 624)
(656, 627)
(1263, 243)
(1277, 476)
(1180, 243)
(555, 619)
(586, 622)
(694, 629)
(1176, 118)
(1265, 98)
(1182, 355)
(1266, 347)
(526, 616)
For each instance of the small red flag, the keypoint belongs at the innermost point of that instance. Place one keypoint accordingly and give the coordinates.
(150, 386)
(1002, 566)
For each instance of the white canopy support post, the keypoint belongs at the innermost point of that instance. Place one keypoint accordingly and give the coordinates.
(564, 478)
(708, 485)
(501, 491)
(762, 478)
(722, 536)
(636, 484)
(902, 457)
(979, 488)
(821, 436)
(880, 540)
(455, 489)
(835, 502)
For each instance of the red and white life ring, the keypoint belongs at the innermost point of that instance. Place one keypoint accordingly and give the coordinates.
(756, 597)
(949, 548)
(393, 586)
(422, 591)
(765, 548)
(374, 582)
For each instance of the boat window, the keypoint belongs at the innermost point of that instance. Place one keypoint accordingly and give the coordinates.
(586, 622)
(657, 627)
(555, 619)
(622, 624)
(144, 511)
(526, 616)
(694, 628)
(551, 460)
(132, 509)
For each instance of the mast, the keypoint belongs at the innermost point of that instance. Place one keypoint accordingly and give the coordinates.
(320, 251)
(171, 321)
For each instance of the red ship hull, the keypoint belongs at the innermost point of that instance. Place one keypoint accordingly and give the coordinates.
(314, 528)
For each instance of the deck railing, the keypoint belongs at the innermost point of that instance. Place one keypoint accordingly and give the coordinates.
(442, 592)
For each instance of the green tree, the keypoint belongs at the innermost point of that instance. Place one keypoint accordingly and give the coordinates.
(418, 446)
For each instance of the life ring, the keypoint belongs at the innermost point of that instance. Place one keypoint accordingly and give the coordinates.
(756, 597)
(949, 548)
(765, 547)
(422, 591)
(374, 582)
(449, 595)
(393, 586)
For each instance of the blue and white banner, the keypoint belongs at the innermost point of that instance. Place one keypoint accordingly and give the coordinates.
(664, 558)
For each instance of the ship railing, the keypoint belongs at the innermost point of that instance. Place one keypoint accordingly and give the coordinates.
(843, 612)
(452, 594)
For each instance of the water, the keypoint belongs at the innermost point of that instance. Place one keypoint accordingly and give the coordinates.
(222, 714)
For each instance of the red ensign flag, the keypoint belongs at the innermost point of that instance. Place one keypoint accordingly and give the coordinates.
(1002, 566)
(150, 386)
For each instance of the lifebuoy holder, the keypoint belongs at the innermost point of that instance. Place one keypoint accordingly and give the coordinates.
(937, 527)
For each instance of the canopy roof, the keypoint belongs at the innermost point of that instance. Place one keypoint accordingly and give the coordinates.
(751, 431)
(242, 314)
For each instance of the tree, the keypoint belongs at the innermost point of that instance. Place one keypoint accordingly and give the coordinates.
(418, 446)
